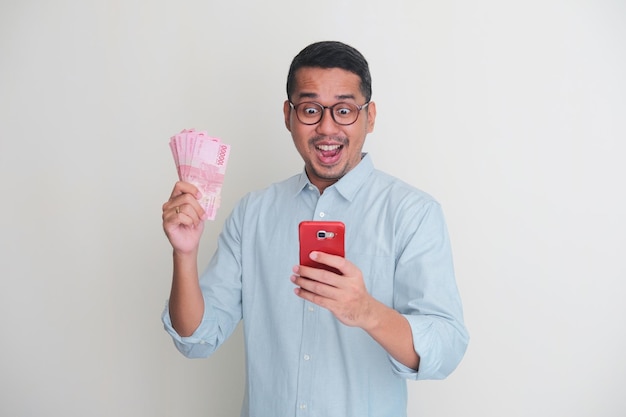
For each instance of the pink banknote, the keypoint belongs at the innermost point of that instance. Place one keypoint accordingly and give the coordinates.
(201, 160)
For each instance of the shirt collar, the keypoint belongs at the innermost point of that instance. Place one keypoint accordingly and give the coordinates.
(350, 183)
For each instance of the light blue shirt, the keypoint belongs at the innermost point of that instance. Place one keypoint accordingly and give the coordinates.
(301, 361)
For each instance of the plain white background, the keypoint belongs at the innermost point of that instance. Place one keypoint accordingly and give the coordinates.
(512, 114)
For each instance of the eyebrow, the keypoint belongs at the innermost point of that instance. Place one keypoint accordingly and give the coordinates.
(338, 97)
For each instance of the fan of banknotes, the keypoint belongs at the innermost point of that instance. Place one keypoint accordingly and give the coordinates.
(201, 160)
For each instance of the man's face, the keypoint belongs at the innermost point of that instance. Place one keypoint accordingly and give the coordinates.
(329, 150)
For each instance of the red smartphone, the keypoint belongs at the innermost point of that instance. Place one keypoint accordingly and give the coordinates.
(322, 236)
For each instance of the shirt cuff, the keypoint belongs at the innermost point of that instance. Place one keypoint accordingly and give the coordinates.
(440, 344)
(402, 370)
(198, 344)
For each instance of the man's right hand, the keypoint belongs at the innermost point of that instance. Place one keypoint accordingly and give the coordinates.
(183, 225)
(182, 218)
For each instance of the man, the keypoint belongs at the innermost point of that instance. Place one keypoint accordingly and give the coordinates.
(320, 343)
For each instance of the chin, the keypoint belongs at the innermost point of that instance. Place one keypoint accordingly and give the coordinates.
(329, 174)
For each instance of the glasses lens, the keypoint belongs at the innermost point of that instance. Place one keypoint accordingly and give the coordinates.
(345, 113)
(311, 113)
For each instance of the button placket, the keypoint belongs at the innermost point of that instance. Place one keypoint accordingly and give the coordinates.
(306, 366)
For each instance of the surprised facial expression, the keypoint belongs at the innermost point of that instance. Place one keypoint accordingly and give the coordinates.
(329, 149)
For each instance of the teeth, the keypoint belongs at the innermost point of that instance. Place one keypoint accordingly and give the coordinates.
(328, 147)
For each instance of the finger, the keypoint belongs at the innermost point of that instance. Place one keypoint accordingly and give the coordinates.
(182, 187)
(338, 262)
(179, 199)
(313, 291)
(317, 274)
(184, 215)
(313, 298)
(183, 205)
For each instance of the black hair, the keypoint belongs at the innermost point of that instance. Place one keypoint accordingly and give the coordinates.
(332, 54)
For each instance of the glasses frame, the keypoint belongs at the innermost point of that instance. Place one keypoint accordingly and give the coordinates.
(332, 111)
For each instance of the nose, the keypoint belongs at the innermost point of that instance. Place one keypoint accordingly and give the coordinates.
(327, 125)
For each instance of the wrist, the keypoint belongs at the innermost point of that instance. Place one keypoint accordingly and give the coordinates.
(184, 255)
(185, 262)
(374, 316)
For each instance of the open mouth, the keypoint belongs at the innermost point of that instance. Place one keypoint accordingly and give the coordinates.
(328, 148)
(328, 154)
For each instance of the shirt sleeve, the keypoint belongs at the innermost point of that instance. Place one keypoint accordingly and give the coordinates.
(202, 343)
(426, 294)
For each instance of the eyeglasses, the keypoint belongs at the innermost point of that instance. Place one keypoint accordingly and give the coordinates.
(310, 112)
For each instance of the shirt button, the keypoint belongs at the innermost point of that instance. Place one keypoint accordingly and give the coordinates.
(311, 308)
(307, 357)
(322, 214)
(302, 406)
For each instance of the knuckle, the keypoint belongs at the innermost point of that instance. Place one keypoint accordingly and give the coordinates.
(312, 286)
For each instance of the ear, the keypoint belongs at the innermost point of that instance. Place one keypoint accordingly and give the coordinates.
(371, 116)
(287, 113)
